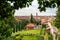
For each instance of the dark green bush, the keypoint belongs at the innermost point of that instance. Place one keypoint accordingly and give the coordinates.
(20, 25)
(50, 37)
(40, 37)
(43, 25)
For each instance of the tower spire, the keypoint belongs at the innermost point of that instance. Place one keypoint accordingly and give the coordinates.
(36, 14)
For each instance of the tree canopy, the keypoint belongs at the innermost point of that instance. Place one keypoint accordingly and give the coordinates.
(48, 3)
(23, 3)
(42, 3)
(18, 3)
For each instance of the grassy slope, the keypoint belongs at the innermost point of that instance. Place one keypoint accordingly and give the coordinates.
(37, 31)
(29, 34)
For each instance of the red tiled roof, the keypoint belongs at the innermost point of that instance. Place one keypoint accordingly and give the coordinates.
(42, 18)
(22, 17)
(30, 25)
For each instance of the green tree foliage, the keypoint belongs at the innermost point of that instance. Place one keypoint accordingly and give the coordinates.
(31, 19)
(19, 25)
(58, 18)
(36, 21)
(42, 3)
(7, 15)
(20, 3)
(48, 3)
(5, 30)
(5, 10)
(24, 23)
(6, 18)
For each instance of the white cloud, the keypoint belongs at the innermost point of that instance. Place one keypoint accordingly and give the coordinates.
(34, 9)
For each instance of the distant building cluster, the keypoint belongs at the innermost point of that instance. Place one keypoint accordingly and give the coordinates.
(41, 18)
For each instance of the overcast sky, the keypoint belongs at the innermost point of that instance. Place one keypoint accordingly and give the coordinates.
(33, 9)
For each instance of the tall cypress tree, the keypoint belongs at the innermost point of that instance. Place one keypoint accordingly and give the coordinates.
(31, 19)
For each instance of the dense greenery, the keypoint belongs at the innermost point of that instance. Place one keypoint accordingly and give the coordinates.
(6, 20)
(7, 16)
(58, 18)
(32, 20)
(43, 4)
(20, 25)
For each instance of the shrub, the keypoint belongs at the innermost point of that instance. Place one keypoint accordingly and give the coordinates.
(20, 25)
(43, 25)
(40, 37)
